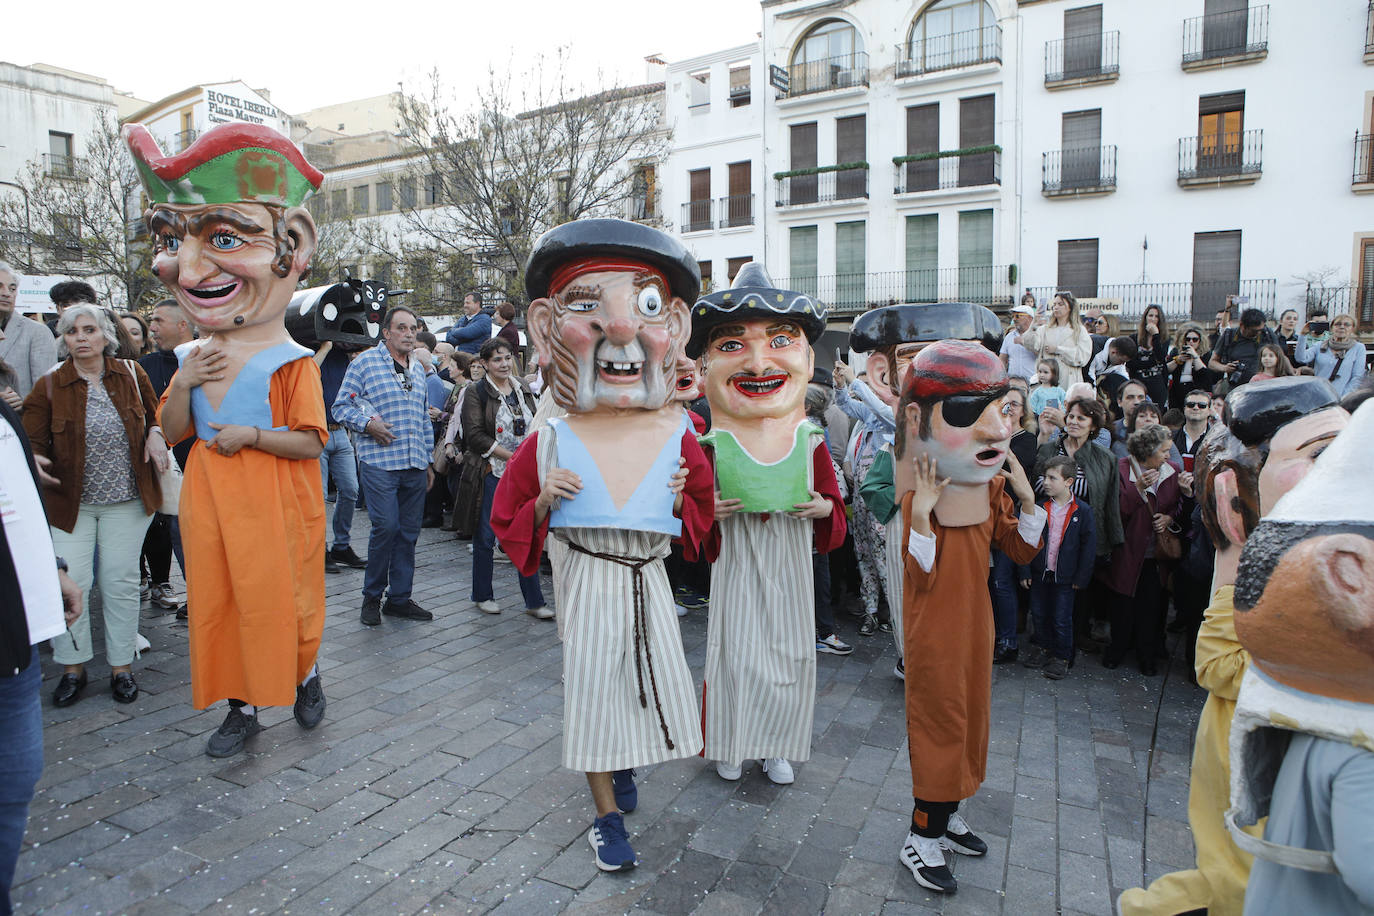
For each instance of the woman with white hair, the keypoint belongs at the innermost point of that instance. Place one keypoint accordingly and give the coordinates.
(95, 418)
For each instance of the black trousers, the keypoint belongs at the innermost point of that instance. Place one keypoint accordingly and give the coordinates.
(1137, 623)
(930, 818)
(157, 549)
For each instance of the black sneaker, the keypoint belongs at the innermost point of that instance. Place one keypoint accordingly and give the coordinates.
(346, 557)
(869, 625)
(407, 609)
(329, 565)
(1005, 655)
(958, 838)
(1036, 657)
(181, 613)
(372, 612)
(309, 708)
(926, 859)
(1057, 669)
(236, 729)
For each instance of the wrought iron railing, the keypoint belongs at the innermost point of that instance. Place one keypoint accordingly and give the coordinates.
(1083, 57)
(1225, 154)
(56, 165)
(696, 215)
(843, 72)
(638, 207)
(1090, 168)
(1357, 301)
(857, 292)
(822, 187)
(735, 210)
(965, 171)
(185, 138)
(1369, 29)
(1181, 301)
(946, 52)
(1229, 34)
(1364, 159)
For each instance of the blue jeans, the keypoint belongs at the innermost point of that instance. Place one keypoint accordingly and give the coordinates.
(21, 763)
(1004, 604)
(1051, 607)
(484, 543)
(395, 500)
(338, 459)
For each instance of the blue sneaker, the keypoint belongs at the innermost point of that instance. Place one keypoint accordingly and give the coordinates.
(626, 795)
(611, 843)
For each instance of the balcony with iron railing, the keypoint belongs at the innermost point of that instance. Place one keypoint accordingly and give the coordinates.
(1223, 39)
(848, 71)
(1082, 61)
(1231, 157)
(1079, 172)
(696, 215)
(853, 293)
(735, 210)
(1180, 301)
(1362, 178)
(1369, 34)
(638, 207)
(949, 52)
(59, 166)
(826, 185)
(947, 170)
(185, 138)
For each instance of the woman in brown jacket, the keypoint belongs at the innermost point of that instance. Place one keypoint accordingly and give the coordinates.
(94, 417)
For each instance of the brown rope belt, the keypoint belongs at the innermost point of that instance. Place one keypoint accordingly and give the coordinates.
(641, 628)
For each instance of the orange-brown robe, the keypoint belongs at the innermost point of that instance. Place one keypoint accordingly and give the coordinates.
(253, 529)
(948, 638)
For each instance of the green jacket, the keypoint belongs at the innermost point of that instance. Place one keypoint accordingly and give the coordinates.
(1099, 468)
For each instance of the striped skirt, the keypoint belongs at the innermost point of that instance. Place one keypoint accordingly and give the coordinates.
(760, 692)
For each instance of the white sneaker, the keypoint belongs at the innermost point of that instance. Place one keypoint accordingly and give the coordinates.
(489, 607)
(141, 644)
(681, 611)
(164, 597)
(729, 771)
(540, 613)
(499, 556)
(779, 771)
(926, 860)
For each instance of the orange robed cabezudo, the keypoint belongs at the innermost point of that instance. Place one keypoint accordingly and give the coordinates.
(948, 635)
(253, 529)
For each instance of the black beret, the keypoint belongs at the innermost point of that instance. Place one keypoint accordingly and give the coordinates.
(893, 325)
(752, 297)
(600, 238)
(1255, 412)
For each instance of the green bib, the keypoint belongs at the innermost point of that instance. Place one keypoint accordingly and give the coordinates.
(776, 487)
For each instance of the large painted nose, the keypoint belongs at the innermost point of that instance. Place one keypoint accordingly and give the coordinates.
(193, 268)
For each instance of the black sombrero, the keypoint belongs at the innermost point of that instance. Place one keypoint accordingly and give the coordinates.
(752, 297)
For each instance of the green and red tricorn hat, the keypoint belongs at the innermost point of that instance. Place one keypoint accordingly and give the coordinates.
(232, 163)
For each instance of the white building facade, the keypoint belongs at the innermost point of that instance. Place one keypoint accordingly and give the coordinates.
(1184, 151)
(177, 120)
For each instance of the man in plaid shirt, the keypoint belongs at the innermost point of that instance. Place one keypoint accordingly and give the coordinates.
(382, 398)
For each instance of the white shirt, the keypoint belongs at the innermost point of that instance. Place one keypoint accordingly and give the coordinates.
(1020, 361)
(30, 541)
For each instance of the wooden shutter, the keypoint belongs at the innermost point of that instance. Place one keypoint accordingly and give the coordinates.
(923, 136)
(1082, 41)
(1080, 149)
(976, 128)
(975, 256)
(802, 188)
(699, 196)
(1078, 267)
(849, 264)
(1364, 310)
(1224, 27)
(851, 145)
(801, 251)
(1216, 271)
(922, 257)
(733, 265)
(705, 268)
(739, 178)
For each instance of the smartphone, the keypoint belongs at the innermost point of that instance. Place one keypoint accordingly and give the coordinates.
(1319, 327)
(1055, 403)
(1188, 463)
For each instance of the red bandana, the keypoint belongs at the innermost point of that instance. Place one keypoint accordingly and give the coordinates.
(573, 269)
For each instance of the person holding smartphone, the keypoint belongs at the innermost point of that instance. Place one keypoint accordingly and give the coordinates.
(1340, 358)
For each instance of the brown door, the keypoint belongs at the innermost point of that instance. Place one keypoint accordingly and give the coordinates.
(1220, 129)
(739, 206)
(851, 145)
(923, 136)
(976, 128)
(699, 194)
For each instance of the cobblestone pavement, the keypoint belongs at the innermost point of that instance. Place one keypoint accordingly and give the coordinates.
(434, 785)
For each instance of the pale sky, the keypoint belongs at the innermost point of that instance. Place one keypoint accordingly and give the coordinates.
(354, 49)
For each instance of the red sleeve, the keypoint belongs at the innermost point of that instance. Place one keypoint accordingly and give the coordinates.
(829, 532)
(698, 497)
(707, 547)
(698, 421)
(512, 509)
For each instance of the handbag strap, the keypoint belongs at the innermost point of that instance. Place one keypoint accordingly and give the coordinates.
(1139, 477)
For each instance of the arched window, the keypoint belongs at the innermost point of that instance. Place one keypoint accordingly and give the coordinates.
(829, 56)
(952, 33)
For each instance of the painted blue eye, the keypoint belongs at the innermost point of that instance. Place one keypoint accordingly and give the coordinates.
(651, 301)
(225, 241)
(729, 346)
(781, 341)
(170, 243)
(582, 305)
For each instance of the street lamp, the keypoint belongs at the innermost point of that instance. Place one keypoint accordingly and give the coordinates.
(28, 229)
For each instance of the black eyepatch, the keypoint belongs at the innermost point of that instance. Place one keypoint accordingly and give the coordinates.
(963, 410)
